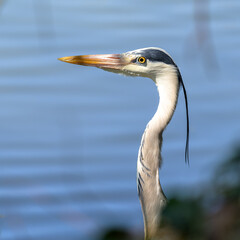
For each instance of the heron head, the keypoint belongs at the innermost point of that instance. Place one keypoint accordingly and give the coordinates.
(145, 62)
(149, 62)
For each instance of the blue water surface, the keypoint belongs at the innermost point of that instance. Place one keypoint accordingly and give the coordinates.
(69, 135)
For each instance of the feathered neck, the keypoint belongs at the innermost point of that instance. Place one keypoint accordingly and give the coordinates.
(150, 192)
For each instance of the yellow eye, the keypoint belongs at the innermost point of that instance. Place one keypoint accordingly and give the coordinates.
(141, 60)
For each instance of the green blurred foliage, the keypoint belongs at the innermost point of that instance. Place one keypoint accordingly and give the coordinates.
(227, 179)
(220, 220)
(181, 214)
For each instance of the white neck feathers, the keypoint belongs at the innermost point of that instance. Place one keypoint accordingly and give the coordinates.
(150, 192)
(168, 88)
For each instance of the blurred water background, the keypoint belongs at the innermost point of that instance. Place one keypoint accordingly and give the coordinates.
(69, 135)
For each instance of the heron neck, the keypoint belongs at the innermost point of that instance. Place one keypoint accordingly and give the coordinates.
(168, 88)
(150, 191)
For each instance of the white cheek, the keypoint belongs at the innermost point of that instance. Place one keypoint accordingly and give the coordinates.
(158, 69)
(150, 70)
(133, 68)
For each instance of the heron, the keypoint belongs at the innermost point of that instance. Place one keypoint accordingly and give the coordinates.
(158, 65)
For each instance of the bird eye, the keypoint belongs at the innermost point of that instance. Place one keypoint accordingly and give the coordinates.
(141, 60)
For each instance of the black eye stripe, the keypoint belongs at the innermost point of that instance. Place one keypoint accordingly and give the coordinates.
(155, 55)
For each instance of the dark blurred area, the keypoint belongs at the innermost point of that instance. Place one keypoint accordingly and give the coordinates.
(213, 215)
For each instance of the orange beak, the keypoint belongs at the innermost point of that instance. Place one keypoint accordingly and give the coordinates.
(105, 61)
